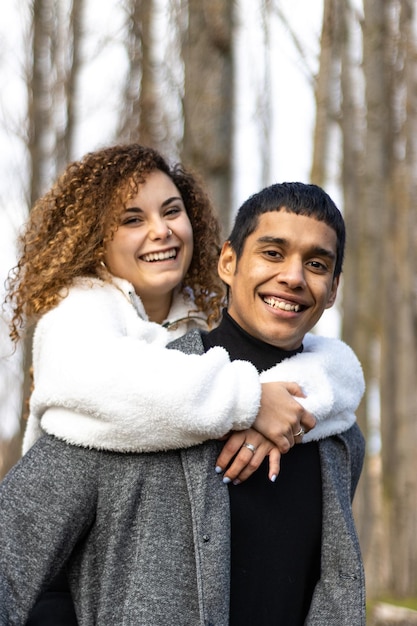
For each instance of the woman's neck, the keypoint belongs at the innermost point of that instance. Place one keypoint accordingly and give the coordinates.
(157, 309)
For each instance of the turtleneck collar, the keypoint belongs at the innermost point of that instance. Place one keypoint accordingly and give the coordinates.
(240, 345)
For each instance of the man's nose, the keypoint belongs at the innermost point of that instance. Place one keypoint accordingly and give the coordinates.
(292, 273)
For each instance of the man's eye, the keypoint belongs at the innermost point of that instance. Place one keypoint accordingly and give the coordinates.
(318, 265)
(272, 253)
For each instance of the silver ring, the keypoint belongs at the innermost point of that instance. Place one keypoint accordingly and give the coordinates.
(169, 232)
(300, 433)
(250, 447)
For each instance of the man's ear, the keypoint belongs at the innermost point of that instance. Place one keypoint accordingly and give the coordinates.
(333, 292)
(227, 263)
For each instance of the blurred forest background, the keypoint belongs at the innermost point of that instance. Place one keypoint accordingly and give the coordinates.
(180, 75)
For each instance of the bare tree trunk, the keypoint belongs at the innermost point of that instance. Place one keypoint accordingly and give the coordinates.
(264, 98)
(208, 98)
(10, 452)
(52, 74)
(148, 99)
(326, 91)
(143, 115)
(39, 95)
(130, 108)
(69, 45)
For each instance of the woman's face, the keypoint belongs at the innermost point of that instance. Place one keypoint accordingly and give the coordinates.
(153, 246)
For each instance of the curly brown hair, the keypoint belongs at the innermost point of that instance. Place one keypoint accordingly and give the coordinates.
(68, 228)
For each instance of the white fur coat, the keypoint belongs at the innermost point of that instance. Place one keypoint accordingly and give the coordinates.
(103, 378)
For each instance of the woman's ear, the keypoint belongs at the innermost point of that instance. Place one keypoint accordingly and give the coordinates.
(227, 263)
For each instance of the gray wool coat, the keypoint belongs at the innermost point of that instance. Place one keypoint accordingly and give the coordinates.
(146, 536)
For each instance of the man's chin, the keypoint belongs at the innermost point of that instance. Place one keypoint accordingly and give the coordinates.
(285, 340)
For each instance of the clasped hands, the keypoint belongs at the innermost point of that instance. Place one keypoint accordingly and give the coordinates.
(280, 423)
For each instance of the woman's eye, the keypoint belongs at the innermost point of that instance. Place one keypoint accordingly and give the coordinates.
(173, 211)
(131, 220)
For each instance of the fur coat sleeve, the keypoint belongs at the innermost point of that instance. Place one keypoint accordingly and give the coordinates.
(104, 379)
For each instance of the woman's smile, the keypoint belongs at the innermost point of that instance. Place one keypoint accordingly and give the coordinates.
(165, 255)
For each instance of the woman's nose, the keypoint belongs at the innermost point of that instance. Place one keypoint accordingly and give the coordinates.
(159, 229)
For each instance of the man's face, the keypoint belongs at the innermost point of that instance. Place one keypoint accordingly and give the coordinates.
(284, 279)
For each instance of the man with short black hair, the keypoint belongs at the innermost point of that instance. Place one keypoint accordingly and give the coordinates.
(295, 556)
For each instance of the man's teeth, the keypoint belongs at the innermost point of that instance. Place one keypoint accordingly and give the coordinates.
(284, 306)
(159, 256)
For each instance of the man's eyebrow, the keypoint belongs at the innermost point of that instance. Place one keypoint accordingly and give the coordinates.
(323, 252)
(270, 239)
(316, 250)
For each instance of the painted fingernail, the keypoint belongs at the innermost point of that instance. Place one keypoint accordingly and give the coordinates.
(273, 478)
(218, 469)
(237, 481)
(226, 480)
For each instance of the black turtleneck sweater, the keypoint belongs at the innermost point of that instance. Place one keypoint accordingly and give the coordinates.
(275, 527)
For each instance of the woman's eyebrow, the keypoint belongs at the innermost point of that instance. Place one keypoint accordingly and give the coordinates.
(173, 199)
(135, 209)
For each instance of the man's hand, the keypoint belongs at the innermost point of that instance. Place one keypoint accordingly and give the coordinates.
(245, 450)
(280, 416)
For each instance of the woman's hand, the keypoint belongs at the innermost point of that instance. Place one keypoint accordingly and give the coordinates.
(243, 453)
(280, 416)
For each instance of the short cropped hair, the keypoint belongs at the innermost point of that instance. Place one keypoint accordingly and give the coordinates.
(299, 198)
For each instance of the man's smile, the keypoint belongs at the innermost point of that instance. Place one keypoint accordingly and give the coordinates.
(277, 303)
